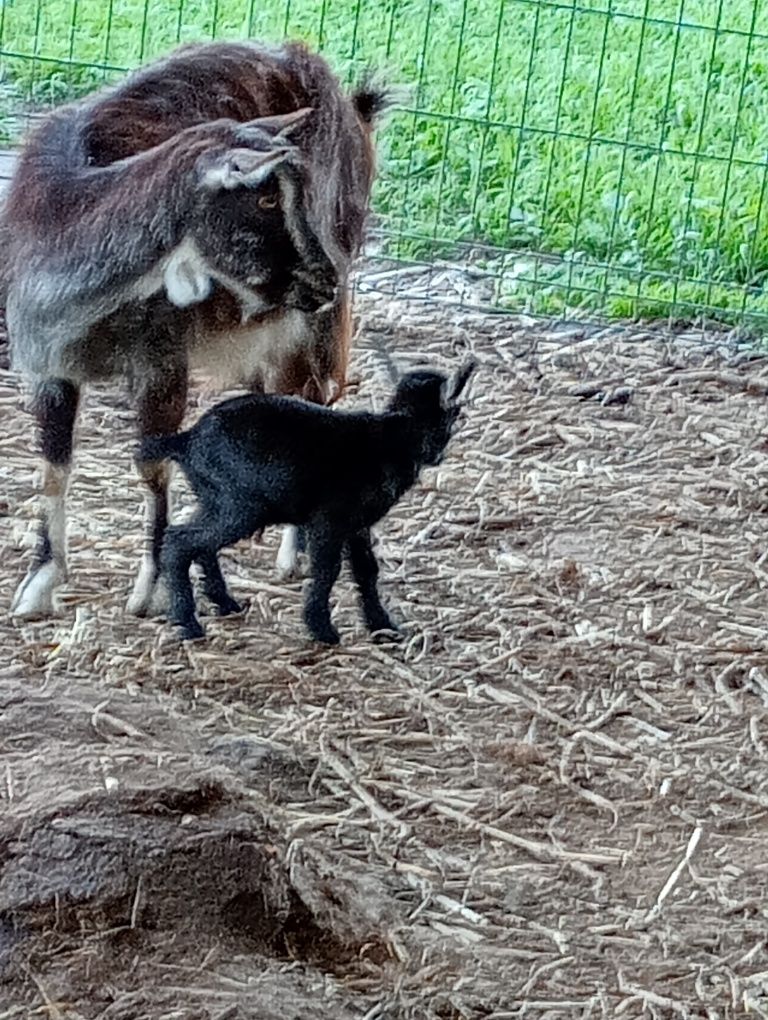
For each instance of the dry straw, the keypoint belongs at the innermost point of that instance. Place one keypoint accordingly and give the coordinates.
(549, 801)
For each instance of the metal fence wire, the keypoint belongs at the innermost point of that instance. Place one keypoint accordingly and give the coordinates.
(599, 157)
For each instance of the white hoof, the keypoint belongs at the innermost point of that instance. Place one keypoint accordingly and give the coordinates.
(297, 570)
(34, 596)
(288, 553)
(149, 596)
(291, 564)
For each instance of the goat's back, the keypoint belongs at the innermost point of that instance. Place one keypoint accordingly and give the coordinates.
(299, 459)
(201, 83)
(318, 441)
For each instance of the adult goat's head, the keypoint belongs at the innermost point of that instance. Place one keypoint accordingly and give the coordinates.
(249, 229)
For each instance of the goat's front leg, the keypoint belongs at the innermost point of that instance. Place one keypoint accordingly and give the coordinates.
(365, 570)
(293, 542)
(161, 403)
(325, 548)
(55, 407)
(319, 374)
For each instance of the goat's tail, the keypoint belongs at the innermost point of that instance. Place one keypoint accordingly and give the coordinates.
(170, 447)
(371, 98)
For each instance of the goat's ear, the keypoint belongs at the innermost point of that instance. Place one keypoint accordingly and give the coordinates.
(279, 125)
(241, 168)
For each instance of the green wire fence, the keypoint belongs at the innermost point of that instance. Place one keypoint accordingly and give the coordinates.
(599, 157)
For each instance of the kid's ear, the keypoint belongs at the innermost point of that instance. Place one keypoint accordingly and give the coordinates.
(461, 378)
(241, 168)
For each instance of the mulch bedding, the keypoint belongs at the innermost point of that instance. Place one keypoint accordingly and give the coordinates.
(550, 800)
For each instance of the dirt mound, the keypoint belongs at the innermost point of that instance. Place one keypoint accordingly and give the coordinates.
(168, 850)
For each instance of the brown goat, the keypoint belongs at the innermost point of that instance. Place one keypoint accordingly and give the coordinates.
(203, 213)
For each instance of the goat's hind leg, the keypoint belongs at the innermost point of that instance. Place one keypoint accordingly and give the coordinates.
(55, 407)
(148, 595)
(161, 405)
(181, 545)
(214, 585)
(365, 570)
(199, 541)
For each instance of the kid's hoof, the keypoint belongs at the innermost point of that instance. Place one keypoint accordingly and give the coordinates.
(192, 631)
(229, 607)
(379, 619)
(326, 637)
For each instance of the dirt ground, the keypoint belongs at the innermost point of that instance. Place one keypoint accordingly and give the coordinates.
(550, 801)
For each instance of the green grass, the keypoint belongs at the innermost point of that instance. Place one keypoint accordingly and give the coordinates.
(631, 148)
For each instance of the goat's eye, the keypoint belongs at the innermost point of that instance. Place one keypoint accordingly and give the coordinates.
(268, 201)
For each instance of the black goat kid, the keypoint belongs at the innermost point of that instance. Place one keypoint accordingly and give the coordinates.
(259, 460)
